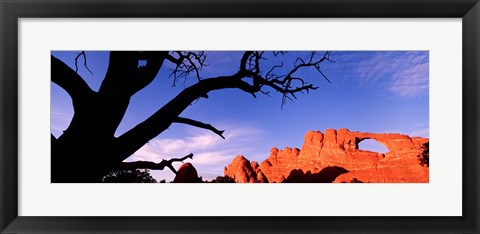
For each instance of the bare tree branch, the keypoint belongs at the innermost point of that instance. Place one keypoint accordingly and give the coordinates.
(125, 77)
(250, 70)
(172, 59)
(84, 62)
(146, 74)
(53, 139)
(199, 125)
(69, 80)
(153, 166)
(243, 61)
(283, 83)
(187, 62)
(122, 66)
(135, 138)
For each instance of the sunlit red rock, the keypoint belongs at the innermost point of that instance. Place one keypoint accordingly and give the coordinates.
(240, 170)
(186, 174)
(339, 150)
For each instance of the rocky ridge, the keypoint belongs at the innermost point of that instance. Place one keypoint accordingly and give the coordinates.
(334, 156)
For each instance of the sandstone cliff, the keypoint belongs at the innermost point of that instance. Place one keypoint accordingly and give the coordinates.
(334, 156)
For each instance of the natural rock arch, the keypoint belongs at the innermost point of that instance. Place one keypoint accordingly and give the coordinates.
(339, 148)
(374, 141)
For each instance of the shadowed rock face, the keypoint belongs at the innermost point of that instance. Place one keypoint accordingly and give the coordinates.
(326, 175)
(404, 163)
(186, 174)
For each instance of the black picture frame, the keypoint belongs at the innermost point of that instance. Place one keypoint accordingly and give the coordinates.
(11, 11)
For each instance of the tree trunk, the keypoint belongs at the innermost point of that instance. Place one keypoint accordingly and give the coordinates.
(86, 151)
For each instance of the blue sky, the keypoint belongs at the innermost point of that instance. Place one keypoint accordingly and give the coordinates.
(371, 91)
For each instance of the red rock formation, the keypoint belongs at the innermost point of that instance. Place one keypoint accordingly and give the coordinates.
(241, 170)
(186, 174)
(339, 149)
(261, 178)
(280, 163)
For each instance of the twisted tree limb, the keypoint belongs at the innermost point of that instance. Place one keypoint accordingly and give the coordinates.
(84, 62)
(153, 166)
(124, 76)
(199, 125)
(187, 62)
(249, 78)
(69, 80)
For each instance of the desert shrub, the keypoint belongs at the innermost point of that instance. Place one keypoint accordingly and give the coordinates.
(222, 179)
(355, 180)
(424, 157)
(133, 176)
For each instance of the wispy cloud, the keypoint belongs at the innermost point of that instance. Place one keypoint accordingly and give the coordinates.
(424, 132)
(158, 149)
(214, 157)
(412, 132)
(59, 120)
(421, 130)
(211, 153)
(404, 73)
(411, 75)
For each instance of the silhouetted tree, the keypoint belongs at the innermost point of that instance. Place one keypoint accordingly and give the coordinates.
(88, 149)
(133, 176)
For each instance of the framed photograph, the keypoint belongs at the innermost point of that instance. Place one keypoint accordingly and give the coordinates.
(224, 116)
